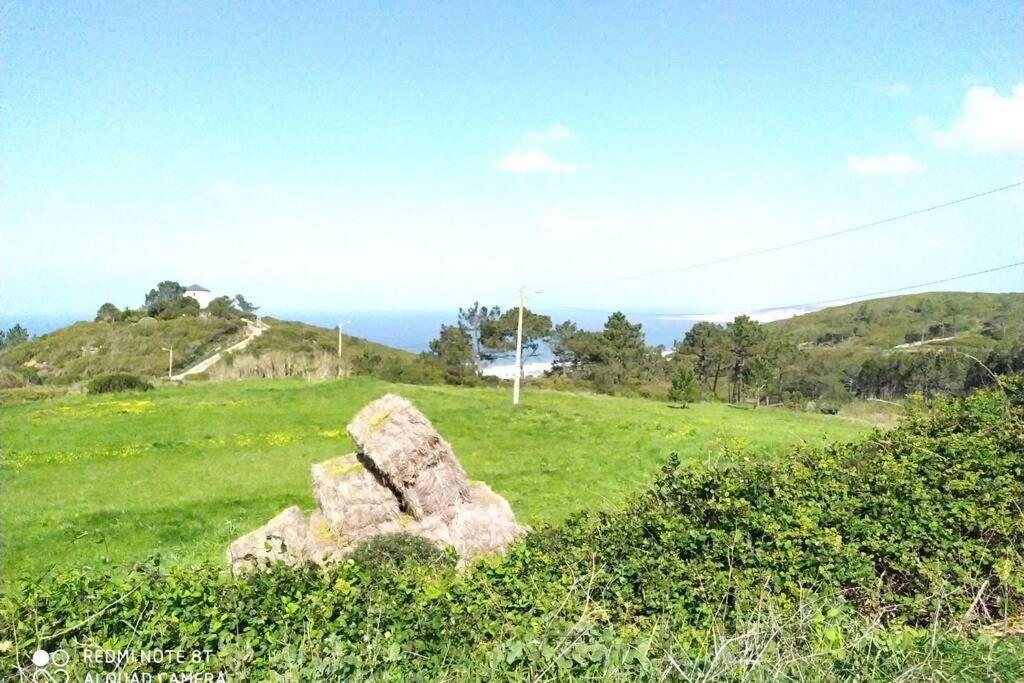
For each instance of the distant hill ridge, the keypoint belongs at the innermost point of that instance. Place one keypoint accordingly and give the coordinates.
(87, 349)
(968, 319)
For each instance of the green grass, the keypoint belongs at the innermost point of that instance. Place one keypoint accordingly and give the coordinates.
(184, 470)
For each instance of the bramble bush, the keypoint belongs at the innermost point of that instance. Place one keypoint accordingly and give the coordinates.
(876, 556)
(394, 551)
(118, 381)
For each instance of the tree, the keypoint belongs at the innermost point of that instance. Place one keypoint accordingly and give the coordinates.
(163, 295)
(566, 347)
(926, 309)
(782, 357)
(498, 335)
(1004, 359)
(622, 349)
(14, 336)
(221, 308)
(245, 306)
(108, 313)
(183, 306)
(1005, 313)
(757, 375)
(473, 319)
(453, 352)
(864, 314)
(953, 311)
(745, 335)
(685, 387)
(704, 341)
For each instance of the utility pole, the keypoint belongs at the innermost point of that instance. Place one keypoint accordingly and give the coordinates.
(340, 325)
(170, 361)
(519, 352)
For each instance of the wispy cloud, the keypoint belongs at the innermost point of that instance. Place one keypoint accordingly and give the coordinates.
(533, 161)
(893, 91)
(884, 164)
(556, 132)
(988, 122)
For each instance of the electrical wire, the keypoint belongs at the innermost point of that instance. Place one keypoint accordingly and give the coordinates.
(806, 304)
(785, 245)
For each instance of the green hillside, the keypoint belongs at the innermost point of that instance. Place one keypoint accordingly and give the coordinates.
(975, 319)
(87, 349)
(294, 349)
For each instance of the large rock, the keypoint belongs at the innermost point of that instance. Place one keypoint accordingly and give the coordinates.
(281, 539)
(405, 478)
(483, 526)
(354, 503)
(407, 452)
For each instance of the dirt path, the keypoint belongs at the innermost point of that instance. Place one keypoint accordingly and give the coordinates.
(253, 330)
(910, 345)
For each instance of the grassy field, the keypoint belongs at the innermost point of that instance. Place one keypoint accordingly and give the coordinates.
(184, 470)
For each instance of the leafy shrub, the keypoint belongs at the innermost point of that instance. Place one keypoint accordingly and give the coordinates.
(869, 558)
(392, 551)
(182, 306)
(108, 313)
(685, 387)
(118, 381)
(18, 377)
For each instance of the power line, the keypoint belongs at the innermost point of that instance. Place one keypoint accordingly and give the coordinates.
(787, 245)
(807, 304)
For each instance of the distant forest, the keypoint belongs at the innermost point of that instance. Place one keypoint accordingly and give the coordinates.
(935, 343)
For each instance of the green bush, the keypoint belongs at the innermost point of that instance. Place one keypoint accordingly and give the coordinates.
(864, 560)
(392, 551)
(118, 381)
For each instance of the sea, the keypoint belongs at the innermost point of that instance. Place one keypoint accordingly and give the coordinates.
(407, 330)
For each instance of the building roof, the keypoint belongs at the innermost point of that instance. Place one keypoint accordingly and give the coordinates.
(196, 288)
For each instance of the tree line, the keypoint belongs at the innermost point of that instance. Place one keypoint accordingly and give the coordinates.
(13, 336)
(741, 361)
(167, 301)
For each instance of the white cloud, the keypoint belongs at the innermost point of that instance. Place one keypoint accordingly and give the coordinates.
(893, 91)
(884, 164)
(556, 132)
(989, 122)
(533, 161)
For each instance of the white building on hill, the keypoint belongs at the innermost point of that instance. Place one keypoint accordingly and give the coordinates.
(201, 294)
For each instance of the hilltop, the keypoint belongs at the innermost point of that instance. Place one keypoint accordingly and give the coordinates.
(973, 319)
(86, 349)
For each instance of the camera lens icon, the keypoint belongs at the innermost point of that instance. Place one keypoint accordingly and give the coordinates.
(42, 658)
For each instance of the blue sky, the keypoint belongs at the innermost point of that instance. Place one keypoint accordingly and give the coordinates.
(333, 156)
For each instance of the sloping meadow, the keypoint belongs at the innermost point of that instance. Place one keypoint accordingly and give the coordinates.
(901, 552)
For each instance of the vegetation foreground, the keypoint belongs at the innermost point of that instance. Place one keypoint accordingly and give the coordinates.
(895, 556)
(184, 470)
